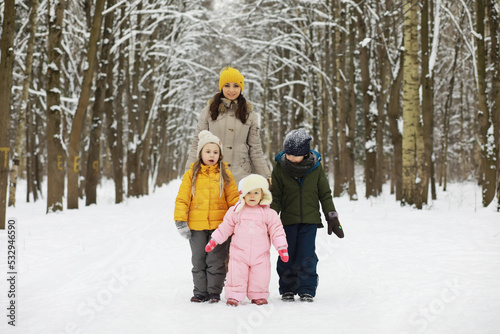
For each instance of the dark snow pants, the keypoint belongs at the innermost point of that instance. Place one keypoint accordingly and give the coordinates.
(209, 269)
(299, 275)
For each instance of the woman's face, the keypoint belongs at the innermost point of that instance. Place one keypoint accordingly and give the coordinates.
(231, 91)
(210, 154)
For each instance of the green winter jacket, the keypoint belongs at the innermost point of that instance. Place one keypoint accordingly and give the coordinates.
(298, 202)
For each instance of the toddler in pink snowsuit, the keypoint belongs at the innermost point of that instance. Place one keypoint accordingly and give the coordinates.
(253, 224)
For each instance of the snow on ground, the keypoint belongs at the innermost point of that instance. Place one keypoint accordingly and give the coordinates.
(123, 269)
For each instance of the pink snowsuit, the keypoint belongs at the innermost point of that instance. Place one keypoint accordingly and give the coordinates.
(249, 270)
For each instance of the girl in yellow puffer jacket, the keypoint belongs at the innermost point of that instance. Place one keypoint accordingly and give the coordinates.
(206, 193)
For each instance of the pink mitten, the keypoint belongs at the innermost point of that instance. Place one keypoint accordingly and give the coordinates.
(283, 254)
(210, 246)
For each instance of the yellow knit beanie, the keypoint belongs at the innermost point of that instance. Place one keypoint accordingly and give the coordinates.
(229, 74)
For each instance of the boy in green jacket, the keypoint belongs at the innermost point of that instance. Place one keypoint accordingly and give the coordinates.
(299, 184)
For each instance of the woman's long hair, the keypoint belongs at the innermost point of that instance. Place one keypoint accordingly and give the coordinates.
(241, 111)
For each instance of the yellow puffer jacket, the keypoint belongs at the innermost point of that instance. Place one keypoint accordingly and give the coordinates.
(206, 209)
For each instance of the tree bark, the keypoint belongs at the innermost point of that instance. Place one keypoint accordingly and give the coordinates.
(411, 104)
(94, 156)
(351, 118)
(78, 120)
(495, 59)
(19, 148)
(370, 115)
(6, 66)
(331, 69)
(114, 116)
(394, 114)
(488, 156)
(427, 84)
(135, 118)
(341, 180)
(55, 141)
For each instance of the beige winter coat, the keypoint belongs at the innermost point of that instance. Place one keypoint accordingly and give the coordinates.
(242, 146)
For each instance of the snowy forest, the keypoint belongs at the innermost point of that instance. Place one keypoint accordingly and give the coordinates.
(405, 92)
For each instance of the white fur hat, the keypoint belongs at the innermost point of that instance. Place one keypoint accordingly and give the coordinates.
(206, 137)
(253, 181)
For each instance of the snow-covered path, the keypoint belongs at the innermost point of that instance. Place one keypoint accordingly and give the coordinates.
(124, 269)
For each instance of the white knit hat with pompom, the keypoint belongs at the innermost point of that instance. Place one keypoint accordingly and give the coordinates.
(206, 137)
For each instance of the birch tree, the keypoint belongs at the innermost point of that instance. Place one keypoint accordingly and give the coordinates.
(411, 104)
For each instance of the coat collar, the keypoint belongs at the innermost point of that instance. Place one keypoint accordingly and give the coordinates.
(228, 104)
(209, 169)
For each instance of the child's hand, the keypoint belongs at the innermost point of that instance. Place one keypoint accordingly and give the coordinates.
(183, 229)
(283, 254)
(210, 246)
(334, 225)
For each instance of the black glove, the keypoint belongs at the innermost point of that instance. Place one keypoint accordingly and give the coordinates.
(334, 225)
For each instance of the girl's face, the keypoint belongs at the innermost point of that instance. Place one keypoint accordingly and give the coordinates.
(294, 158)
(231, 91)
(253, 197)
(210, 154)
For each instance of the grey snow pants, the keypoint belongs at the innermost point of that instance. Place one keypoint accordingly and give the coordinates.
(209, 269)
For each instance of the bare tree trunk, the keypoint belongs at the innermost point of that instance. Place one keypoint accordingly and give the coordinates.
(114, 116)
(332, 72)
(78, 120)
(393, 112)
(495, 59)
(266, 113)
(341, 179)
(351, 118)
(446, 117)
(6, 67)
(497, 122)
(487, 143)
(381, 99)
(55, 141)
(93, 165)
(19, 149)
(33, 142)
(427, 84)
(370, 117)
(411, 104)
(148, 114)
(135, 119)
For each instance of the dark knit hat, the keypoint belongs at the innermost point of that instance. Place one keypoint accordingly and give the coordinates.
(297, 143)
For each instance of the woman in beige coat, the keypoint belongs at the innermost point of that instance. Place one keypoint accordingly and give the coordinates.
(231, 117)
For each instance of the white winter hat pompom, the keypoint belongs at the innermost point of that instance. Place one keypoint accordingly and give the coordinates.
(251, 182)
(206, 137)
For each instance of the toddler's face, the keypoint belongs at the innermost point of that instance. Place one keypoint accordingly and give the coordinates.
(253, 197)
(294, 158)
(210, 154)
